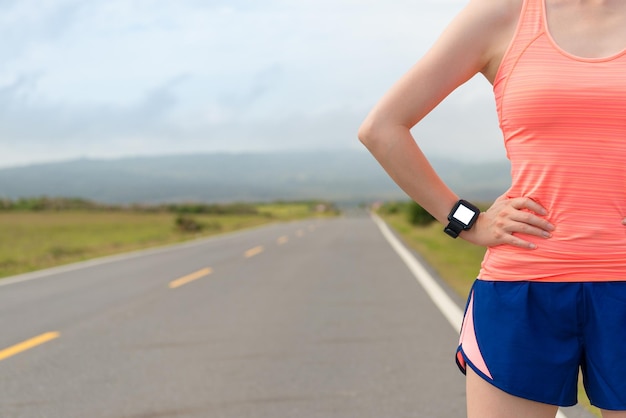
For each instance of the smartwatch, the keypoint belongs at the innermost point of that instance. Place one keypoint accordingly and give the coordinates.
(461, 218)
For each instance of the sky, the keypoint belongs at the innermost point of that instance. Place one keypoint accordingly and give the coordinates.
(117, 78)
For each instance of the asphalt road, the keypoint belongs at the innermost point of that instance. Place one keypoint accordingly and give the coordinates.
(318, 318)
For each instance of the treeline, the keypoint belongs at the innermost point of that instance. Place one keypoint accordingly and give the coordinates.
(415, 214)
(40, 204)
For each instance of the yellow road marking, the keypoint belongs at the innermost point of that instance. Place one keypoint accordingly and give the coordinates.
(299, 233)
(254, 251)
(311, 228)
(190, 278)
(28, 344)
(283, 240)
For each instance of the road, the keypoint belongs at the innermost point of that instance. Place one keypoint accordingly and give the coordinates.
(318, 318)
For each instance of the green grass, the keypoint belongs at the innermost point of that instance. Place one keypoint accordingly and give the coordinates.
(286, 211)
(456, 261)
(35, 240)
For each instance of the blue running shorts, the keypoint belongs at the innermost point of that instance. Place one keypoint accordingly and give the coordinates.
(530, 339)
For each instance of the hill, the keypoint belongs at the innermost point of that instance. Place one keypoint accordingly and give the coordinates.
(341, 176)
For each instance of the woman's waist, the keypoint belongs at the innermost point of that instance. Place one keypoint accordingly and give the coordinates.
(580, 217)
(582, 259)
(581, 231)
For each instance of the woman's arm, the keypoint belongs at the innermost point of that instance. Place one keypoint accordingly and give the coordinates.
(474, 42)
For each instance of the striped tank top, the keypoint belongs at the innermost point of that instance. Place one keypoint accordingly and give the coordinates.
(563, 119)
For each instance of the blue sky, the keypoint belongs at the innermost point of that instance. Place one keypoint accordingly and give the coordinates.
(114, 78)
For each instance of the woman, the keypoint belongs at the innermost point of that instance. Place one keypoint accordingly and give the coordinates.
(550, 298)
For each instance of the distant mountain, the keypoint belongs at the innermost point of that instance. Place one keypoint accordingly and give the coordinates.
(221, 177)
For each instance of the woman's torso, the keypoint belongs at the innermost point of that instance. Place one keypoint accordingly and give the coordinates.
(563, 117)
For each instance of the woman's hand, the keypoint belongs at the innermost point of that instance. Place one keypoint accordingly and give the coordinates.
(504, 218)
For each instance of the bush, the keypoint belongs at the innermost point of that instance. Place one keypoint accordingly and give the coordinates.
(392, 208)
(214, 209)
(418, 216)
(188, 224)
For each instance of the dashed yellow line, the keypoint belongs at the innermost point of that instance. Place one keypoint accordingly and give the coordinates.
(283, 240)
(28, 344)
(190, 278)
(254, 251)
(299, 233)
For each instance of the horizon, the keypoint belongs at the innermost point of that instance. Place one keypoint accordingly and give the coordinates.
(488, 160)
(227, 177)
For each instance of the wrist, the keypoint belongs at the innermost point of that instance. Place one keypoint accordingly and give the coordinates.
(461, 218)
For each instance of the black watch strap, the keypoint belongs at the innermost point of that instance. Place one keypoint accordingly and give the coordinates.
(454, 228)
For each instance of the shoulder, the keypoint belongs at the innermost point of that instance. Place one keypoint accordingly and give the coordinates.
(495, 13)
(494, 23)
(475, 40)
(487, 20)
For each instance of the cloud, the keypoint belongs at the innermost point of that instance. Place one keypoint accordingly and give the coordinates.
(27, 121)
(108, 78)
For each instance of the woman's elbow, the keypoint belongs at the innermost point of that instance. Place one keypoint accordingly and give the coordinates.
(369, 133)
(377, 134)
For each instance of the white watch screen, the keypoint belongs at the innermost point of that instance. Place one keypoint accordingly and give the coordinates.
(463, 214)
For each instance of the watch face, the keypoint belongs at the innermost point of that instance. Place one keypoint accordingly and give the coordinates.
(464, 215)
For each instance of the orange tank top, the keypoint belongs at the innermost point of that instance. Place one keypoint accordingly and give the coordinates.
(563, 119)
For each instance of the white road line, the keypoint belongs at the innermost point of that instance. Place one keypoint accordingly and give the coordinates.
(448, 308)
(446, 305)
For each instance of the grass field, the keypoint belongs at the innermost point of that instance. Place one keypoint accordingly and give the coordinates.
(456, 261)
(36, 240)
